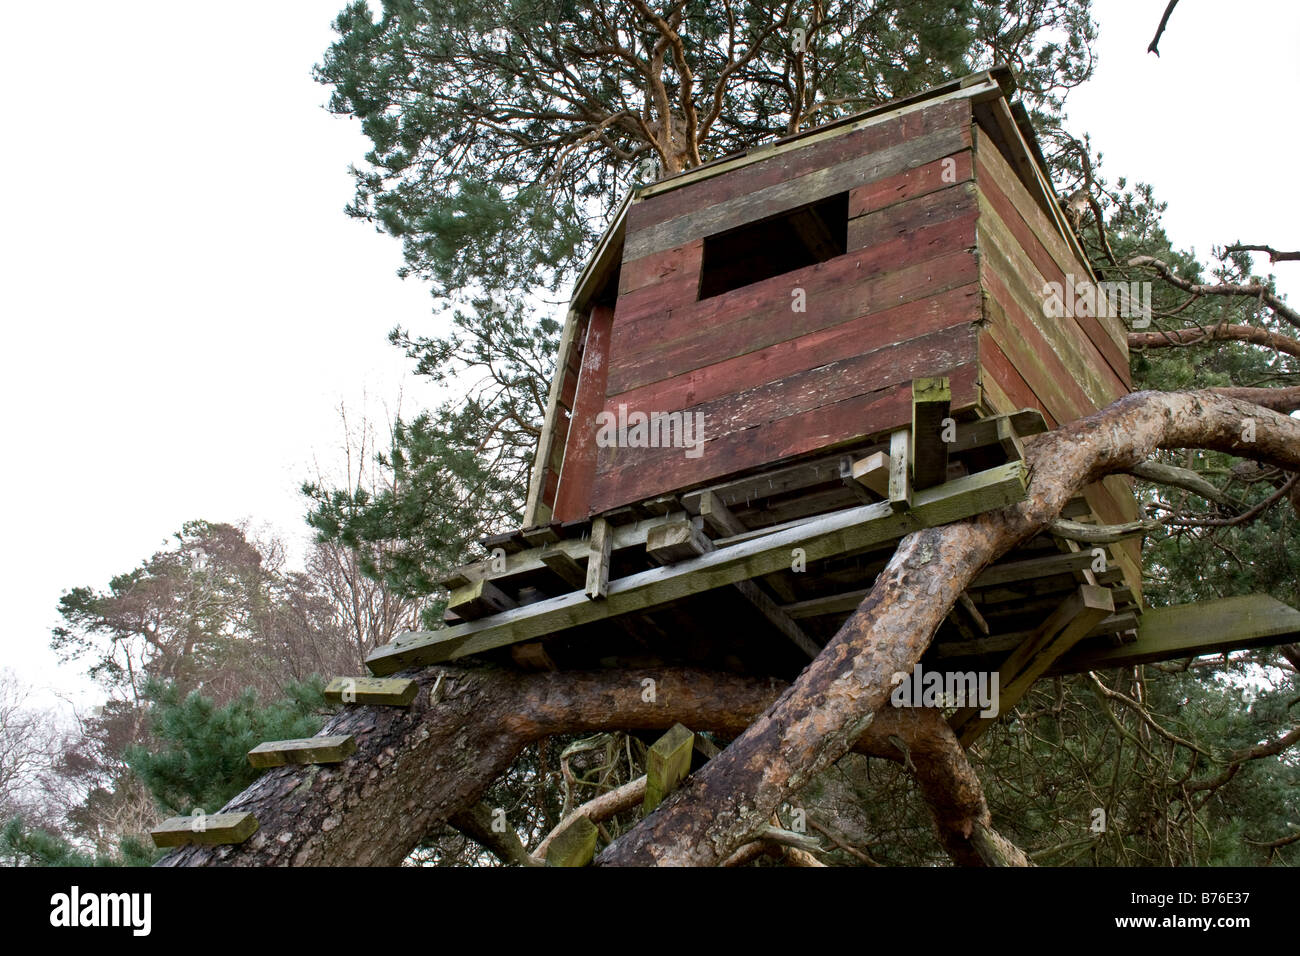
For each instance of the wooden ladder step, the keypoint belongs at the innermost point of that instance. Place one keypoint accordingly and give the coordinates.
(387, 691)
(279, 753)
(211, 829)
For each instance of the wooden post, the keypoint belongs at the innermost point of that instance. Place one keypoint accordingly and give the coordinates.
(304, 750)
(212, 829)
(931, 404)
(575, 845)
(900, 481)
(598, 559)
(667, 765)
(389, 691)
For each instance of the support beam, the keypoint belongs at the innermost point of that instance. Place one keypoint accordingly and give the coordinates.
(479, 599)
(931, 406)
(672, 543)
(1076, 616)
(564, 566)
(1190, 630)
(900, 470)
(598, 554)
(850, 531)
(667, 764)
(872, 473)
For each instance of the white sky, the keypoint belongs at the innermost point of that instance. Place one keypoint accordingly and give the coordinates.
(185, 304)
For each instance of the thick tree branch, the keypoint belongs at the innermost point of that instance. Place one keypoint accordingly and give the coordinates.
(838, 696)
(1214, 333)
(1254, 290)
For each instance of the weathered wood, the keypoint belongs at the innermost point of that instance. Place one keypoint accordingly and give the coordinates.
(899, 489)
(573, 497)
(668, 763)
(675, 542)
(536, 509)
(1189, 630)
(478, 599)
(211, 829)
(931, 406)
(598, 553)
(756, 317)
(791, 192)
(672, 543)
(386, 691)
(845, 532)
(717, 516)
(932, 177)
(575, 845)
(304, 750)
(563, 565)
(1076, 616)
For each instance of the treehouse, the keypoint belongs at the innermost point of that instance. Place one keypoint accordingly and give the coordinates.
(774, 367)
(778, 364)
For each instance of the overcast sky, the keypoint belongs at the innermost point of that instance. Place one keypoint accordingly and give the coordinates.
(185, 303)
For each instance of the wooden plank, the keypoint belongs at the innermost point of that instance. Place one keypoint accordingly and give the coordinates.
(841, 533)
(625, 536)
(717, 516)
(213, 829)
(537, 511)
(668, 763)
(911, 183)
(1023, 570)
(662, 270)
(1076, 616)
(728, 424)
(786, 161)
(573, 497)
(790, 193)
(899, 489)
(575, 845)
(304, 750)
(931, 407)
(564, 567)
(956, 203)
(818, 429)
(598, 554)
(672, 543)
(879, 281)
(383, 691)
(686, 387)
(1098, 329)
(1190, 630)
(477, 599)
(675, 542)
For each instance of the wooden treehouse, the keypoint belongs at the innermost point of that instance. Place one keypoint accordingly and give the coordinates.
(778, 364)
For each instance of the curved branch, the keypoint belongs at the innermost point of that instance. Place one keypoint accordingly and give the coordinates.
(1211, 333)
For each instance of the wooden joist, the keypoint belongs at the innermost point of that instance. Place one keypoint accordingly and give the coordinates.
(388, 691)
(304, 750)
(668, 763)
(1190, 630)
(899, 489)
(931, 406)
(211, 829)
(671, 543)
(598, 554)
(479, 599)
(1076, 616)
(843, 532)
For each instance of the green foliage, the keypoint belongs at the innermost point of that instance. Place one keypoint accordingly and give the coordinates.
(21, 845)
(201, 760)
